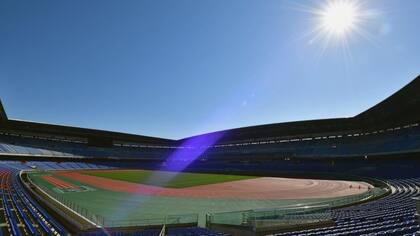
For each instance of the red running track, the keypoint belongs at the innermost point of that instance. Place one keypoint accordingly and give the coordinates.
(258, 188)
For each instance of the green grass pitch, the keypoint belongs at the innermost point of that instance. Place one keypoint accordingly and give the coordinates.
(167, 179)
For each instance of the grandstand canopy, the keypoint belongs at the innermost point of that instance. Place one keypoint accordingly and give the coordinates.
(401, 108)
(93, 136)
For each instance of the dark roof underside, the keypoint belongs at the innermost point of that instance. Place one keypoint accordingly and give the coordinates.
(3, 115)
(403, 107)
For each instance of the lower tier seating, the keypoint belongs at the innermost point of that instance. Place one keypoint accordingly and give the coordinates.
(393, 215)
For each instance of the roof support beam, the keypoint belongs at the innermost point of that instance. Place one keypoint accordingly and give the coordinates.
(3, 115)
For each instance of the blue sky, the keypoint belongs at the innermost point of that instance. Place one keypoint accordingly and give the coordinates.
(178, 68)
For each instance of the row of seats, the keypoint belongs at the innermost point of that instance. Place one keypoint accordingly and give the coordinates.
(393, 215)
(399, 141)
(23, 216)
(53, 165)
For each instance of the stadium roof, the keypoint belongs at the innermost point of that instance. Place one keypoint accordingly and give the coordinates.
(94, 136)
(399, 109)
(3, 115)
(403, 107)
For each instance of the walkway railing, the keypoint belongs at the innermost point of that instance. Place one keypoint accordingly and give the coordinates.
(293, 214)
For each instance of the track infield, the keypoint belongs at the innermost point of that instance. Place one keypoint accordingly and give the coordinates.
(165, 178)
(121, 195)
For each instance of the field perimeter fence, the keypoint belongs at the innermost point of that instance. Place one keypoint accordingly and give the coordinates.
(300, 213)
(293, 214)
(270, 217)
(352, 199)
(109, 222)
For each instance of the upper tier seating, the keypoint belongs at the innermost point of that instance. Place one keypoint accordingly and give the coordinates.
(392, 141)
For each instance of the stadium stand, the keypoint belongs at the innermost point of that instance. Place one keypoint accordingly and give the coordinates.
(392, 215)
(381, 142)
(417, 199)
(22, 215)
(52, 165)
(389, 128)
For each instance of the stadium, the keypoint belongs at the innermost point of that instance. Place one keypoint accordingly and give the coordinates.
(341, 176)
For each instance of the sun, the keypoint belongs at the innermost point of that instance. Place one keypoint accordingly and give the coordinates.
(339, 17)
(336, 24)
